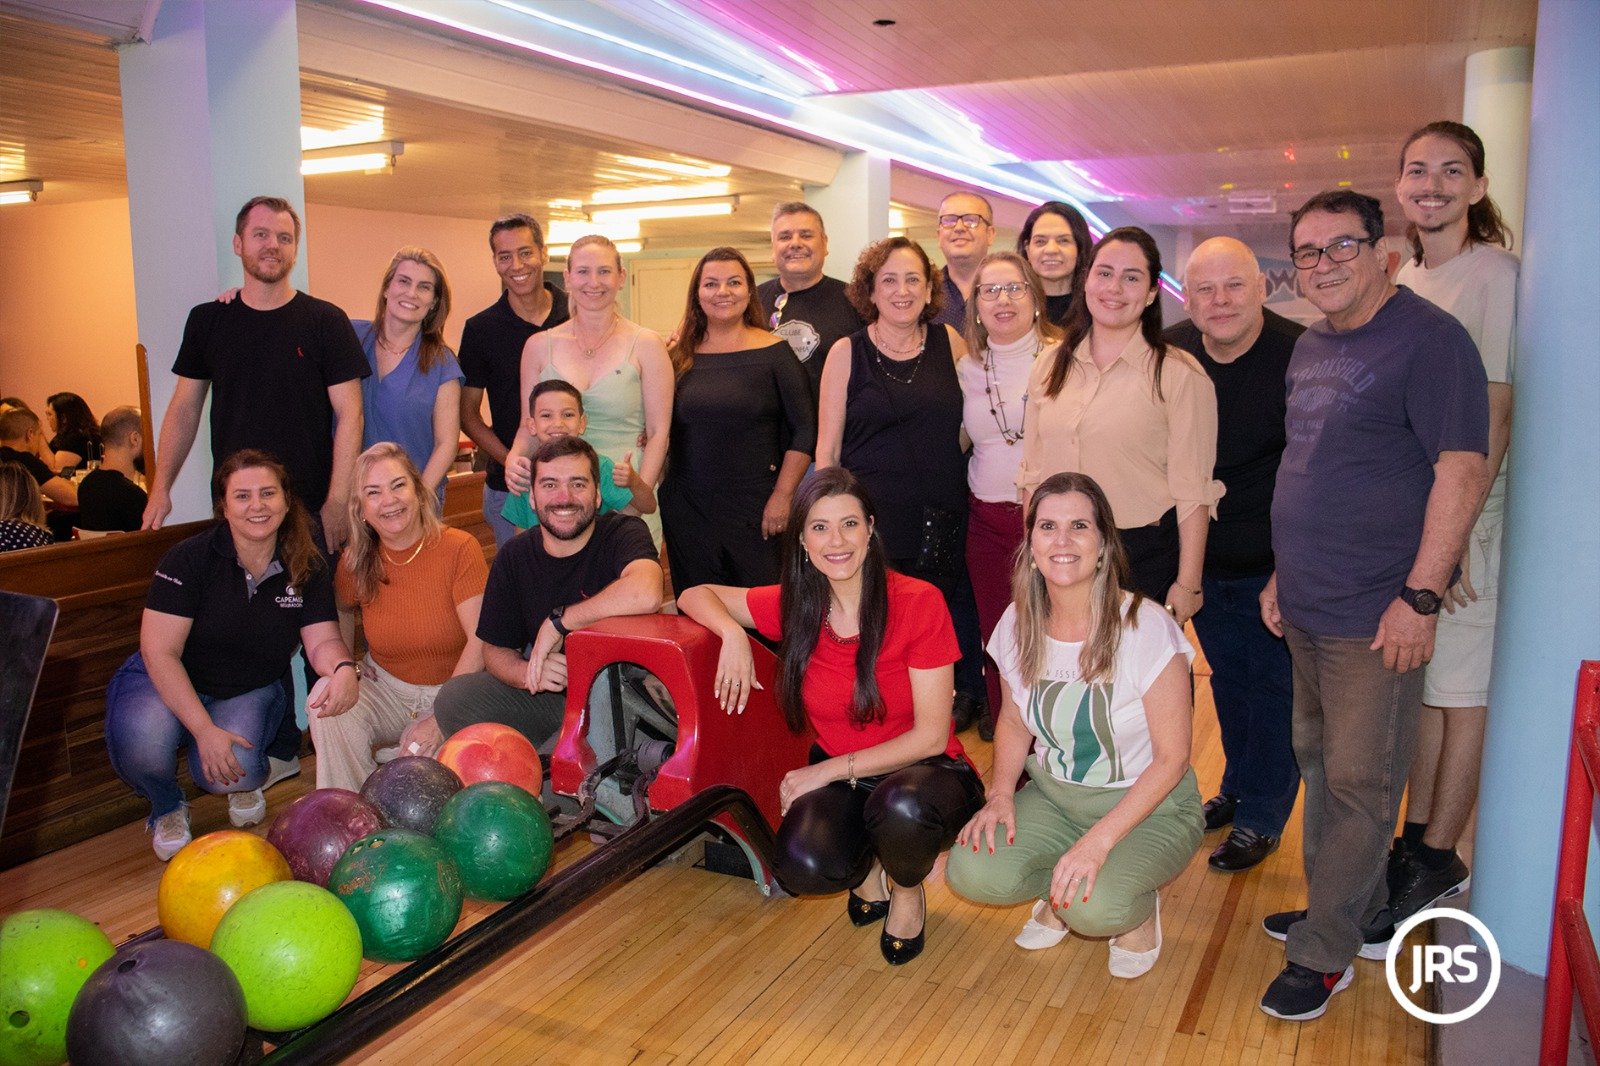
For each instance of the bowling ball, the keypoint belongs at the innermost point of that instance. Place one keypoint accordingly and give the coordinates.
(210, 875)
(402, 889)
(158, 1003)
(313, 831)
(499, 838)
(411, 791)
(45, 958)
(489, 751)
(295, 950)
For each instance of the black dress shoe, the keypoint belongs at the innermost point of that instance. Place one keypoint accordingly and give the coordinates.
(1219, 811)
(1243, 849)
(897, 951)
(863, 912)
(969, 710)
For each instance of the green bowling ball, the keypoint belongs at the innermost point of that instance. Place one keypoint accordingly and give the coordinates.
(295, 950)
(45, 958)
(499, 838)
(403, 891)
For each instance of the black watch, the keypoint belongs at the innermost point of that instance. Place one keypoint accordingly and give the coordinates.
(563, 631)
(1423, 601)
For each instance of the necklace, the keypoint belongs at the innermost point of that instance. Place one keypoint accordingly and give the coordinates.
(884, 362)
(877, 339)
(399, 562)
(590, 349)
(827, 625)
(997, 402)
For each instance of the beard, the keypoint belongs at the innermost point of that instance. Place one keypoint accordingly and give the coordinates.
(581, 521)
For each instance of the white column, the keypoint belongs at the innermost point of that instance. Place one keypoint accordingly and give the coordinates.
(1499, 91)
(211, 117)
(854, 207)
(1550, 589)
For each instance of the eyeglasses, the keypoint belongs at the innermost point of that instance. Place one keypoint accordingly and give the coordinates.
(777, 309)
(990, 293)
(969, 221)
(1340, 251)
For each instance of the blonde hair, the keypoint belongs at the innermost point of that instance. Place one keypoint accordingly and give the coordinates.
(1097, 660)
(595, 239)
(19, 496)
(976, 336)
(361, 556)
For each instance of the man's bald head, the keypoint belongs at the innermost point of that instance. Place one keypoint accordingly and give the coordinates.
(1225, 292)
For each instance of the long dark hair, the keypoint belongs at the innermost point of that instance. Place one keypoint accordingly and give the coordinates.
(803, 603)
(1078, 323)
(692, 331)
(73, 416)
(1484, 224)
(1080, 237)
(297, 546)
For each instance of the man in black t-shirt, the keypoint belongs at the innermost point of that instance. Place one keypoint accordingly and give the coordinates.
(21, 435)
(109, 500)
(802, 305)
(491, 353)
(1245, 349)
(284, 370)
(574, 569)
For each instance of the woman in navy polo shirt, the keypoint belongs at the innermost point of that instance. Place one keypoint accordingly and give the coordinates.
(226, 610)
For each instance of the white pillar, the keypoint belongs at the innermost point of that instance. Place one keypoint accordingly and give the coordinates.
(854, 207)
(1499, 91)
(1550, 590)
(211, 117)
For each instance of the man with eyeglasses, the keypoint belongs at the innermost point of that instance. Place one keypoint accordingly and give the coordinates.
(802, 305)
(966, 229)
(1383, 472)
(1245, 350)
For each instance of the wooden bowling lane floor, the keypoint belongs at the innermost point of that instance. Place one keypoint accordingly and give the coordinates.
(682, 965)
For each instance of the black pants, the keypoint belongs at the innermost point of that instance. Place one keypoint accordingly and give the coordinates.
(830, 836)
(956, 588)
(1153, 555)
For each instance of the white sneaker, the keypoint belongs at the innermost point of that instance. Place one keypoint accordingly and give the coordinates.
(278, 770)
(1035, 935)
(246, 808)
(171, 833)
(1130, 964)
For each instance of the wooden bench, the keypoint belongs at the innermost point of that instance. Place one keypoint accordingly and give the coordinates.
(64, 789)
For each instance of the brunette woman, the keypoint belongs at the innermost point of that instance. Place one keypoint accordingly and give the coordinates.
(1055, 240)
(74, 431)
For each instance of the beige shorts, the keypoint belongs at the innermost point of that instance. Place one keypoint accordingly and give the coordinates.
(1458, 675)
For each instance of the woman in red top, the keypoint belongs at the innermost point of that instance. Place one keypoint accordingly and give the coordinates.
(867, 659)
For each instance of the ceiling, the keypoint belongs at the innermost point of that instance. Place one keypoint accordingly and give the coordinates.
(1169, 107)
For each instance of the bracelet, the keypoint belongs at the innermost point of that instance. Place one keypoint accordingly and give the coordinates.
(1186, 588)
(342, 663)
(850, 764)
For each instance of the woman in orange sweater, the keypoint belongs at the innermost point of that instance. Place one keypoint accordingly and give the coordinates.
(418, 585)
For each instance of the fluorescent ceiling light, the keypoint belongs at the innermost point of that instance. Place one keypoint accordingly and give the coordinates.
(368, 157)
(561, 251)
(646, 212)
(668, 166)
(567, 230)
(20, 192)
(364, 132)
(638, 194)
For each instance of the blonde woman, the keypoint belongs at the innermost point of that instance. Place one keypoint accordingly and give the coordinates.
(22, 522)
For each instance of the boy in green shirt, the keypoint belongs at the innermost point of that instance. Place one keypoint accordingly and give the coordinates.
(555, 409)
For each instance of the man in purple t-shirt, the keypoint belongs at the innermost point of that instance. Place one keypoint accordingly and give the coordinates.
(1384, 469)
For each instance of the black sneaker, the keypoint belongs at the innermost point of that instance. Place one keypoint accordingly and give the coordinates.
(1374, 939)
(1299, 994)
(1399, 854)
(1219, 811)
(1419, 887)
(1243, 849)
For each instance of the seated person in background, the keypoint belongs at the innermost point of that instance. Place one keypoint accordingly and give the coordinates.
(21, 438)
(418, 584)
(226, 610)
(109, 498)
(555, 409)
(1094, 681)
(576, 569)
(74, 431)
(867, 659)
(21, 510)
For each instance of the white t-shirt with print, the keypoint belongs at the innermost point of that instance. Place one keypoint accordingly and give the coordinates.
(1092, 734)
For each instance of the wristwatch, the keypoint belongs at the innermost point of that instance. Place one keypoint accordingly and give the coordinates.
(1423, 601)
(351, 663)
(555, 620)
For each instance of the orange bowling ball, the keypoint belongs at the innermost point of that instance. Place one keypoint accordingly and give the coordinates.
(208, 876)
(492, 752)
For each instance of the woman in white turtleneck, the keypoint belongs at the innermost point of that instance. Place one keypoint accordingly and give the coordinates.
(1005, 331)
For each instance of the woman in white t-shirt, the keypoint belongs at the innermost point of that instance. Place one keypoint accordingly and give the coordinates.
(1095, 683)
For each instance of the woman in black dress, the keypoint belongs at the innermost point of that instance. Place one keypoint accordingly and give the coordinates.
(74, 431)
(891, 413)
(741, 437)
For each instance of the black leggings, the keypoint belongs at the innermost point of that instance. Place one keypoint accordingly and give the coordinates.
(905, 819)
(1153, 555)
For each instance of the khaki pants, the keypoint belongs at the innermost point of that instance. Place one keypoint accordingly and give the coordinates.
(385, 707)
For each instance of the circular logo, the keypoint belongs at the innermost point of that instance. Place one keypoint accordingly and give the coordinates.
(1438, 962)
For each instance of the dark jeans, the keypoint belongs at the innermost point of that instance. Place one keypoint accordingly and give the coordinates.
(1153, 555)
(906, 819)
(1253, 688)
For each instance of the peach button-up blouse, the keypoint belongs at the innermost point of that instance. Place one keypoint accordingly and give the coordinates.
(1148, 454)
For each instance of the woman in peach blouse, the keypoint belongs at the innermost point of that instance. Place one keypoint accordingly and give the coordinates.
(1134, 413)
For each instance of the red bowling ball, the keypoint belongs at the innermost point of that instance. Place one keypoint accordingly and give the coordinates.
(314, 830)
(492, 752)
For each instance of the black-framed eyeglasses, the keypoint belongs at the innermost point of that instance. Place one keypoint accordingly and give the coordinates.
(1340, 251)
(990, 293)
(969, 221)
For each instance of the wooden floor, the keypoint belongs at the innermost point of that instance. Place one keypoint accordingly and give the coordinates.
(682, 965)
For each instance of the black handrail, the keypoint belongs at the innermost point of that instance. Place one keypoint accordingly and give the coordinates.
(398, 998)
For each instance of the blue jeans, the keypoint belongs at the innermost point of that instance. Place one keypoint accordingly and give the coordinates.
(144, 737)
(493, 500)
(1253, 688)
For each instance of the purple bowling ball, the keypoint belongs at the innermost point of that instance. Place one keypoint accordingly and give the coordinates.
(159, 1003)
(313, 831)
(410, 791)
